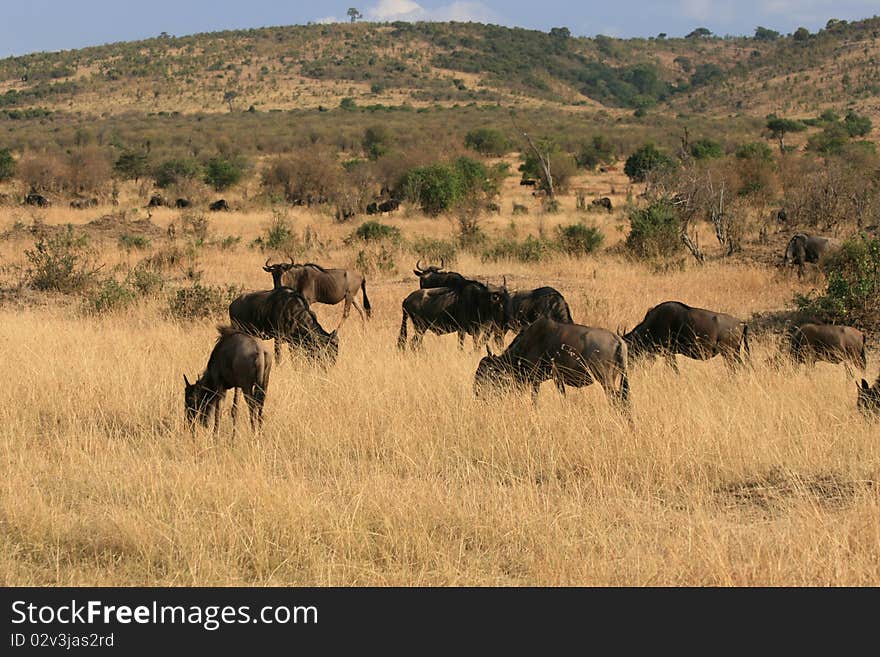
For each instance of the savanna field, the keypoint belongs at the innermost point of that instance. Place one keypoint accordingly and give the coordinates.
(385, 470)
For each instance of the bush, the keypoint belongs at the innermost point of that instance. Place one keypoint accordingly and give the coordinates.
(706, 149)
(437, 188)
(174, 172)
(578, 239)
(131, 165)
(133, 242)
(831, 141)
(487, 141)
(655, 231)
(434, 250)
(528, 250)
(198, 301)
(60, 263)
(377, 141)
(7, 164)
(375, 231)
(375, 259)
(594, 152)
(279, 235)
(857, 125)
(756, 150)
(144, 280)
(110, 295)
(852, 294)
(562, 167)
(304, 177)
(645, 161)
(222, 173)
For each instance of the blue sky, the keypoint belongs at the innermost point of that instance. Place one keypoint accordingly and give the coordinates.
(34, 25)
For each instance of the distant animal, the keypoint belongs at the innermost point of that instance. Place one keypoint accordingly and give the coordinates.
(520, 209)
(237, 361)
(219, 205)
(156, 201)
(569, 354)
(493, 207)
(781, 216)
(321, 285)
(674, 328)
(83, 203)
(373, 208)
(283, 314)
(182, 203)
(810, 342)
(528, 182)
(868, 400)
(469, 308)
(37, 199)
(607, 169)
(603, 202)
(388, 206)
(527, 306)
(803, 248)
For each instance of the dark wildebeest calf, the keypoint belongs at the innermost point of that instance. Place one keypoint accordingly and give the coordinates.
(283, 314)
(675, 328)
(803, 248)
(237, 361)
(869, 397)
(470, 308)
(570, 354)
(219, 205)
(321, 285)
(834, 344)
(603, 202)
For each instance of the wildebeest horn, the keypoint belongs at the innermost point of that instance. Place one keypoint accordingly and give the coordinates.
(266, 267)
(186, 381)
(290, 257)
(504, 282)
(419, 264)
(442, 262)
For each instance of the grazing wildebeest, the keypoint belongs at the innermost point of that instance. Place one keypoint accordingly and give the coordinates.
(803, 248)
(469, 308)
(869, 397)
(237, 361)
(810, 342)
(676, 328)
(83, 203)
(388, 206)
(321, 285)
(528, 182)
(219, 205)
(373, 208)
(182, 203)
(434, 276)
(37, 199)
(283, 314)
(570, 354)
(527, 306)
(156, 200)
(603, 202)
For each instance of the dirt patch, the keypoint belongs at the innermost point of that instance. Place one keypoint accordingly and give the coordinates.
(777, 488)
(108, 226)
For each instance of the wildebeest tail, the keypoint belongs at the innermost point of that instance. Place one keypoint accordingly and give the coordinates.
(745, 340)
(620, 359)
(863, 357)
(401, 339)
(367, 306)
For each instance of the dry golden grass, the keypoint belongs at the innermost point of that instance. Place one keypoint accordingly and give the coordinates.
(385, 470)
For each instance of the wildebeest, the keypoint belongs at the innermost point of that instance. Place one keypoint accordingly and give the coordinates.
(83, 203)
(373, 208)
(219, 205)
(528, 182)
(156, 200)
(434, 276)
(603, 202)
(675, 328)
(570, 354)
(321, 285)
(389, 206)
(493, 207)
(237, 361)
(283, 314)
(869, 397)
(527, 306)
(182, 203)
(469, 308)
(803, 248)
(37, 199)
(811, 342)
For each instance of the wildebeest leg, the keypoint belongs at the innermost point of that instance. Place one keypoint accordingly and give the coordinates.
(346, 309)
(418, 333)
(216, 403)
(234, 413)
(360, 312)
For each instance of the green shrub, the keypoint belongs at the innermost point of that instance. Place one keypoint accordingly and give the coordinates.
(375, 231)
(756, 150)
(831, 141)
(597, 150)
(375, 259)
(578, 239)
(706, 149)
(857, 125)
(437, 188)
(487, 141)
(434, 250)
(198, 301)
(131, 165)
(61, 263)
(144, 280)
(133, 242)
(279, 235)
(7, 164)
(176, 171)
(646, 160)
(110, 295)
(377, 141)
(852, 294)
(222, 173)
(655, 231)
(528, 250)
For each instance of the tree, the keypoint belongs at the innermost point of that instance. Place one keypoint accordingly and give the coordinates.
(229, 97)
(778, 126)
(706, 149)
(646, 160)
(560, 32)
(377, 141)
(700, 33)
(801, 34)
(172, 172)
(765, 34)
(222, 173)
(487, 141)
(857, 125)
(7, 164)
(131, 165)
(354, 14)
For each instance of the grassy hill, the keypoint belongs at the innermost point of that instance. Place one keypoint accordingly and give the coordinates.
(304, 67)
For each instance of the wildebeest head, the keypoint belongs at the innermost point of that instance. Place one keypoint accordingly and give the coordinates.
(278, 270)
(493, 373)
(430, 269)
(196, 397)
(869, 397)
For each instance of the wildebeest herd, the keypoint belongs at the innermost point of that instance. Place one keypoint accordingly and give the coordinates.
(548, 345)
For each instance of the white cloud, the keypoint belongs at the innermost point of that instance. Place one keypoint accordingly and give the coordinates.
(327, 20)
(696, 9)
(408, 10)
